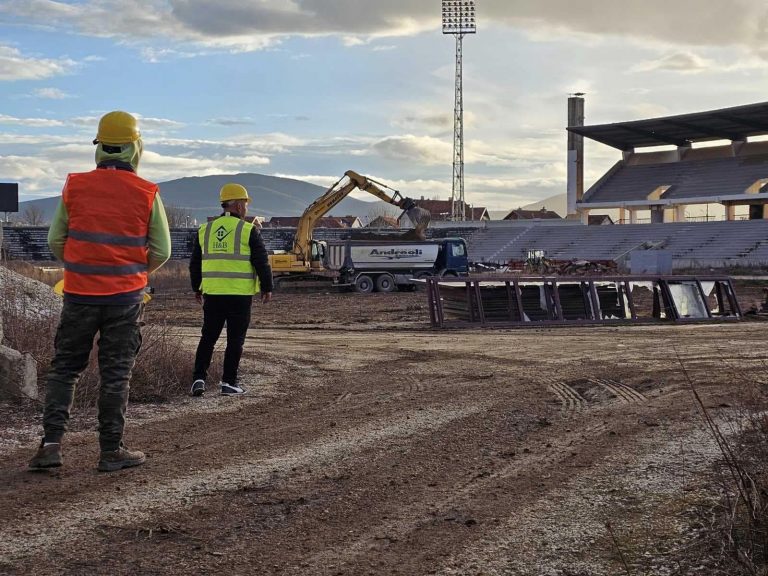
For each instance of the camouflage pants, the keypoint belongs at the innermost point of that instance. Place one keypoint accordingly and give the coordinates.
(118, 344)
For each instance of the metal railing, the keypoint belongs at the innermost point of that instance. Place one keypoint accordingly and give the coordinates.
(509, 300)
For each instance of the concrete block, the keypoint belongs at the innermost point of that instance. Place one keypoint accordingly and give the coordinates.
(18, 374)
(650, 262)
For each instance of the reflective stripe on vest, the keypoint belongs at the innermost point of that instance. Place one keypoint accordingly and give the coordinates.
(101, 238)
(226, 265)
(108, 214)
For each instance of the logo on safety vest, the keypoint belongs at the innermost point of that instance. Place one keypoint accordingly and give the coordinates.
(220, 234)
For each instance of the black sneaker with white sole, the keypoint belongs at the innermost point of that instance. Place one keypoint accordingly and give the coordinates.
(198, 387)
(231, 389)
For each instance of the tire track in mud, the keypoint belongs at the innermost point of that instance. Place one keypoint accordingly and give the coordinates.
(458, 497)
(578, 509)
(414, 384)
(343, 397)
(570, 399)
(560, 450)
(141, 503)
(624, 393)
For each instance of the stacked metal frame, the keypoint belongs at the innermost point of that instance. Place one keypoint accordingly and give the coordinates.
(534, 300)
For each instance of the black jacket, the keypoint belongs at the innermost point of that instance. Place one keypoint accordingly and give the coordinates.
(259, 261)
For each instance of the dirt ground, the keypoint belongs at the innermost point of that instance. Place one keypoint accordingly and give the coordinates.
(370, 444)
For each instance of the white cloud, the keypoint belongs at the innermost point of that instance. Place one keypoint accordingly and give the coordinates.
(685, 62)
(34, 171)
(238, 25)
(154, 54)
(417, 149)
(146, 123)
(426, 118)
(410, 188)
(43, 172)
(694, 22)
(648, 110)
(318, 179)
(229, 121)
(30, 122)
(51, 93)
(15, 66)
(34, 140)
(160, 167)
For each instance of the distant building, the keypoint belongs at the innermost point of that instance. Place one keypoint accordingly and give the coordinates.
(441, 210)
(384, 222)
(324, 222)
(543, 214)
(352, 221)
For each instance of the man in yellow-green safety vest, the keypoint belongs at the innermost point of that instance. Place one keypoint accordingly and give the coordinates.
(229, 264)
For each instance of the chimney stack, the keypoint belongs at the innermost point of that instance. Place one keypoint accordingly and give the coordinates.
(575, 191)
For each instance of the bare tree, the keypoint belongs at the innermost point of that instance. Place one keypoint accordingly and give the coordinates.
(178, 217)
(33, 215)
(379, 209)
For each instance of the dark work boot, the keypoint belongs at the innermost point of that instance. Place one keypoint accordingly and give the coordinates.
(198, 387)
(112, 460)
(46, 457)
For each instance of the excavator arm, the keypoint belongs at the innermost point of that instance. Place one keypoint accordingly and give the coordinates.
(302, 244)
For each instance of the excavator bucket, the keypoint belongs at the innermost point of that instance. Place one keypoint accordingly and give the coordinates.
(420, 218)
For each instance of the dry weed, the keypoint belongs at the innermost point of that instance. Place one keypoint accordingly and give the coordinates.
(173, 277)
(162, 368)
(740, 524)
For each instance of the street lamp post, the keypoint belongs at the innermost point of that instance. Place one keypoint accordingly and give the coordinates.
(458, 19)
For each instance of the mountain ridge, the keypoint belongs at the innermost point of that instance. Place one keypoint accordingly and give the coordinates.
(197, 196)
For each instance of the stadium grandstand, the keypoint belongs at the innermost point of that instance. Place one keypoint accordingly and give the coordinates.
(713, 158)
(666, 182)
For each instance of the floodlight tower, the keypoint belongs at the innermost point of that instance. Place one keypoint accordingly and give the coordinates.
(458, 19)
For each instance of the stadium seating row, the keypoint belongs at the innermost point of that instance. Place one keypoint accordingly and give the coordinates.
(732, 243)
(688, 179)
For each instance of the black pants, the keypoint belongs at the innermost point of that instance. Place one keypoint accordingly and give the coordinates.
(119, 343)
(235, 311)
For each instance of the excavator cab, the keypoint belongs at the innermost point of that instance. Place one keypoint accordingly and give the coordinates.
(317, 255)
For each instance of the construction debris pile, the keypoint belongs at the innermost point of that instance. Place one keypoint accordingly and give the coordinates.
(22, 297)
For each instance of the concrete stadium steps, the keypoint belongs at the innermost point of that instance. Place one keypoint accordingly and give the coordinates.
(26, 243)
(698, 178)
(694, 241)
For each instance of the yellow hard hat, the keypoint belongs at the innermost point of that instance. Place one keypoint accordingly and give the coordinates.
(117, 127)
(233, 191)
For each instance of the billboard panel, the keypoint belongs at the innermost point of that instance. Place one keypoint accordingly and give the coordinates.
(9, 197)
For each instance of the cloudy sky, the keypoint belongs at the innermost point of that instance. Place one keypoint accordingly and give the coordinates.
(311, 88)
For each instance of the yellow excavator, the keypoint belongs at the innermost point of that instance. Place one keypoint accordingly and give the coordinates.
(307, 256)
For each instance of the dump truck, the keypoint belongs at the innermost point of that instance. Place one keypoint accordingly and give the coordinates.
(305, 263)
(386, 265)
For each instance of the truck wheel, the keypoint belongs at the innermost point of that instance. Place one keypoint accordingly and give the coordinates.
(421, 276)
(364, 284)
(385, 283)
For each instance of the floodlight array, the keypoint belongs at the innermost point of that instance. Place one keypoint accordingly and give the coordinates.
(459, 17)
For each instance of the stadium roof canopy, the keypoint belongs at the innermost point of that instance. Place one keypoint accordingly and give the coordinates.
(726, 124)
